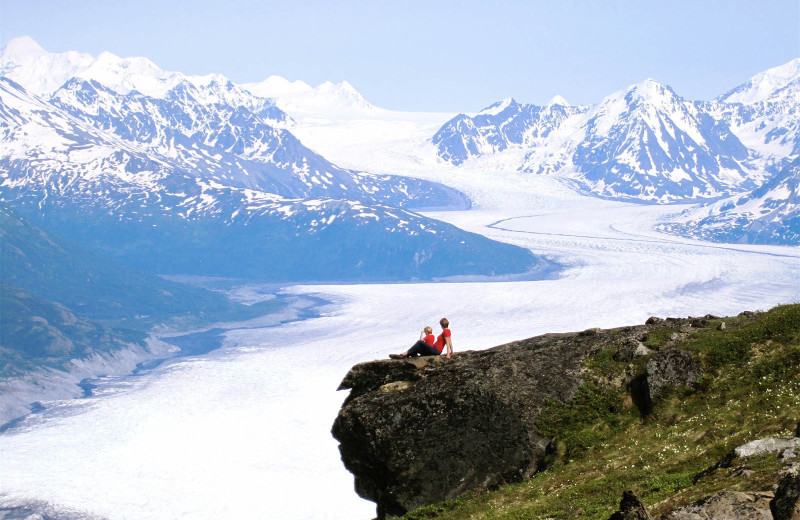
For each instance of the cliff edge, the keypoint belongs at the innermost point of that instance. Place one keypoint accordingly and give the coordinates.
(427, 430)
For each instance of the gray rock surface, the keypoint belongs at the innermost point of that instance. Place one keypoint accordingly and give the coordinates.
(728, 505)
(786, 504)
(768, 445)
(672, 368)
(631, 349)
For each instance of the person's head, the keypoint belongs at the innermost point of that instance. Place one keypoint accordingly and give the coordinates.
(428, 330)
(444, 323)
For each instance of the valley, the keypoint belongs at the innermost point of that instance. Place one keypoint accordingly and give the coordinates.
(326, 231)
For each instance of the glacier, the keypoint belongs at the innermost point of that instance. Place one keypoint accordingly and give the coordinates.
(244, 431)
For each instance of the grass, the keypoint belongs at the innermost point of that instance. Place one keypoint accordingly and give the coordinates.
(604, 446)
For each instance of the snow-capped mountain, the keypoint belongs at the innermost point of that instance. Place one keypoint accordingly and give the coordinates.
(644, 143)
(235, 145)
(648, 143)
(27, 63)
(327, 100)
(41, 72)
(500, 126)
(207, 125)
(764, 112)
(775, 84)
(103, 177)
(767, 215)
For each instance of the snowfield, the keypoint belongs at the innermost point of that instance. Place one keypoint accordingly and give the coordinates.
(244, 432)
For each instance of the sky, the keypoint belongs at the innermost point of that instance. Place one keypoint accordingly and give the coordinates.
(434, 55)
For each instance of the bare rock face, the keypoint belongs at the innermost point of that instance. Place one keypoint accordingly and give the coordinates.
(672, 368)
(423, 431)
(786, 504)
(728, 505)
(630, 508)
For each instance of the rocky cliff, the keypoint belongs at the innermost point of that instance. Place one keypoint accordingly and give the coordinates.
(427, 430)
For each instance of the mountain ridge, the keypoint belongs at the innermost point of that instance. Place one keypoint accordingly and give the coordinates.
(642, 144)
(150, 180)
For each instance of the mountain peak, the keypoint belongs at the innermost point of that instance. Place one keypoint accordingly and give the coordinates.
(276, 86)
(343, 89)
(496, 108)
(764, 85)
(22, 46)
(651, 91)
(558, 100)
(25, 62)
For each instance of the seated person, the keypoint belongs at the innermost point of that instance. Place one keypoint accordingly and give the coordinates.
(426, 346)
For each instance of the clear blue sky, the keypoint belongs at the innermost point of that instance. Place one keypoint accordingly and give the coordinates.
(444, 55)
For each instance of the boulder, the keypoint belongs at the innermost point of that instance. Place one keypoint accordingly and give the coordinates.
(630, 349)
(788, 454)
(458, 424)
(671, 368)
(767, 445)
(630, 508)
(728, 505)
(786, 504)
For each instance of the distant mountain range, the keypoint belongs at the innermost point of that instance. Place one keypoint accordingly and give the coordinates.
(649, 144)
(177, 174)
(201, 147)
(644, 143)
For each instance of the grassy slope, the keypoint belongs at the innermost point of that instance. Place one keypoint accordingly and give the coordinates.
(751, 390)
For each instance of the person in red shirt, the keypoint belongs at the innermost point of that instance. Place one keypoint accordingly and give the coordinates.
(427, 347)
(427, 336)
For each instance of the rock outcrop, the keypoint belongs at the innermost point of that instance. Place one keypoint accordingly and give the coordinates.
(769, 445)
(782, 447)
(419, 431)
(674, 368)
(728, 505)
(415, 432)
(631, 349)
